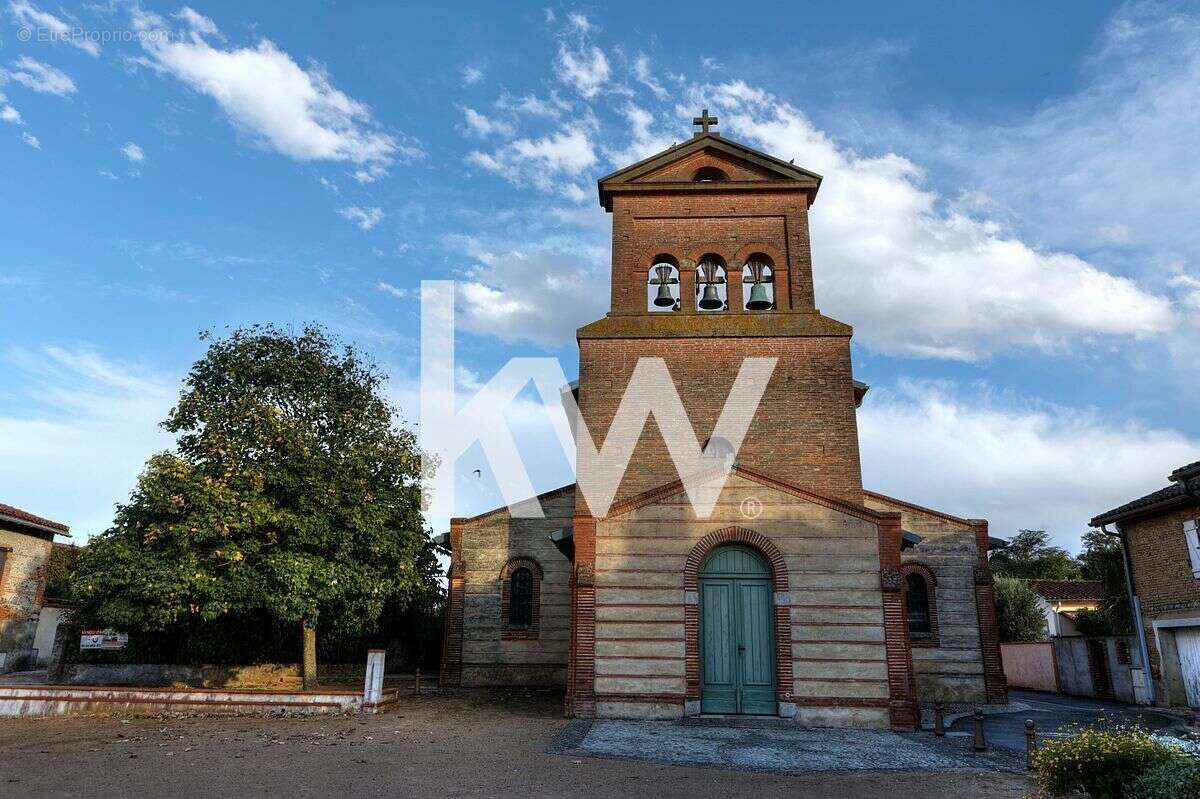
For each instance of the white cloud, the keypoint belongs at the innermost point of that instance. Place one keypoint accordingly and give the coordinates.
(29, 16)
(395, 291)
(484, 126)
(31, 140)
(471, 75)
(133, 152)
(641, 142)
(586, 69)
(543, 162)
(365, 218)
(533, 105)
(266, 94)
(8, 113)
(84, 426)
(641, 71)
(915, 279)
(41, 77)
(537, 294)
(1017, 463)
(579, 22)
(104, 173)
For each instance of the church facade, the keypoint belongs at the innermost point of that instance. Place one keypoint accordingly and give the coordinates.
(802, 594)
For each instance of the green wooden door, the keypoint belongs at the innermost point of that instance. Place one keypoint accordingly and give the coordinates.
(737, 662)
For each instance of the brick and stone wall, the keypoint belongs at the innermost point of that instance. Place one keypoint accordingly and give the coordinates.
(832, 656)
(804, 430)
(950, 666)
(1168, 592)
(485, 545)
(22, 582)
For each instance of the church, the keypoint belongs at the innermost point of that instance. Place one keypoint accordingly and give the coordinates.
(802, 595)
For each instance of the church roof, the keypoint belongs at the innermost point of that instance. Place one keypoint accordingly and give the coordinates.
(770, 169)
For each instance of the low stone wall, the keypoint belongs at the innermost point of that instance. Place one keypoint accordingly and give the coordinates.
(279, 676)
(51, 700)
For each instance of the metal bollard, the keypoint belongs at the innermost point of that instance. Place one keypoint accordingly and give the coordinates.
(1030, 744)
(980, 743)
(417, 681)
(939, 720)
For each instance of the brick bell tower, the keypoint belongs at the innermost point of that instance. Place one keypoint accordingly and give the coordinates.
(710, 265)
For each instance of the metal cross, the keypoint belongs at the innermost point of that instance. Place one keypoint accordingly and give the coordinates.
(704, 120)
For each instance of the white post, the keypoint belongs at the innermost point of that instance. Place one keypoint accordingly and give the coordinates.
(373, 684)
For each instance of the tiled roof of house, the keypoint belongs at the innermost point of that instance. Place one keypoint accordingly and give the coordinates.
(1068, 590)
(1167, 497)
(18, 515)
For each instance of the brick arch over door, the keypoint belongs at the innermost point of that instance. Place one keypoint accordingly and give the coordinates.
(691, 609)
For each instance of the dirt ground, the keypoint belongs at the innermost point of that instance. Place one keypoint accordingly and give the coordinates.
(443, 746)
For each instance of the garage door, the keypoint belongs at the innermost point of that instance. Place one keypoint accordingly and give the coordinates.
(1187, 641)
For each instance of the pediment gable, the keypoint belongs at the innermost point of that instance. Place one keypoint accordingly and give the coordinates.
(679, 167)
(674, 493)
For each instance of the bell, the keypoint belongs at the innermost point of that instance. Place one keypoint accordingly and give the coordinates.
(663, 279)
(759, 301)
(710, 301)
(664, 298)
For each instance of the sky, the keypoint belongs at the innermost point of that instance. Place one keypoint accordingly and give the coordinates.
(1007, 217)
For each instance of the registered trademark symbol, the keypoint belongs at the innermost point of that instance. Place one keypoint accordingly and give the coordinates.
(752, 507)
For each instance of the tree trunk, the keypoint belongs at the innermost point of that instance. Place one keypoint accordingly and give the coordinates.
(309, 667)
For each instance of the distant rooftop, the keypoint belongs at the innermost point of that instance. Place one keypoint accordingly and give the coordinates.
(1068, 590)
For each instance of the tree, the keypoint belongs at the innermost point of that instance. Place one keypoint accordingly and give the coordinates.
(1030, 557)
(291, 494)
(1103, 560)
(1017, 613)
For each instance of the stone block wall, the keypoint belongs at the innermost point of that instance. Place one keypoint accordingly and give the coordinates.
(22, 582)
(949, 667)
(832, 656)
(486, 544)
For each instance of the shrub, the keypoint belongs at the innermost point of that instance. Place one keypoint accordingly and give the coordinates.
(1103, 762)
(1017, 613)
(1093, 623)
(1177, 778)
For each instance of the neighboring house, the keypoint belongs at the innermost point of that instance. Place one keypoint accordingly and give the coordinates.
(1059, 599)
(26, 541)
(56, 604)
(1159, 533)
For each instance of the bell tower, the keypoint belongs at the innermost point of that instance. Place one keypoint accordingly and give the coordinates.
(711, 265)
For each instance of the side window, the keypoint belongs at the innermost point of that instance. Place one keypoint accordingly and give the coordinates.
(520, 599)
(920, 603)
(1191, 531)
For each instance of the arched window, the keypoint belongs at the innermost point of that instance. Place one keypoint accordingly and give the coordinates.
(918, 604)
(712, 292)
(706, 174)
(662, 285)
(520, 599)
(759, 275)
(920, 600)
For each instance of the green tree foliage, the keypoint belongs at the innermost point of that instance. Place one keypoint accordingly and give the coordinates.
(63, 558)
(1102, 560)
(1092, 623)
(1030, 557)
(1017, 613)
(291, 495)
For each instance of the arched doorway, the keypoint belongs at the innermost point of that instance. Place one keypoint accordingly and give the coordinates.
(737, 646)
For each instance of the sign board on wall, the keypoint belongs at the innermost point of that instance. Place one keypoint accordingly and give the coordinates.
(102, 639)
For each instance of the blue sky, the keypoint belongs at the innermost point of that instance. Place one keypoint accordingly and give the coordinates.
(1007, 217)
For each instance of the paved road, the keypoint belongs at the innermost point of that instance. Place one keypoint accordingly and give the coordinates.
(1056, 715)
